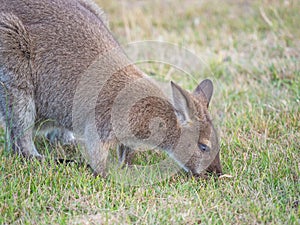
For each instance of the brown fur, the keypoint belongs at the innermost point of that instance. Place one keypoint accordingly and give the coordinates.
(48, 49)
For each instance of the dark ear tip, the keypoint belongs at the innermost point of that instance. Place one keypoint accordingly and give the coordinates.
(173, 84)
(207, 82)
(205, 89)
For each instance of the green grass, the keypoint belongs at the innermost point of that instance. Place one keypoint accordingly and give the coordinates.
(251, 50)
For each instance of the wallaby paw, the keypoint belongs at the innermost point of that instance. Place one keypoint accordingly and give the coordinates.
(60, 136)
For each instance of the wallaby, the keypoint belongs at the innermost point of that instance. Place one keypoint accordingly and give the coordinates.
(54, 56)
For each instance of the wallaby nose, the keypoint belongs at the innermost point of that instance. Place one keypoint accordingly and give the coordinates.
(215, 166)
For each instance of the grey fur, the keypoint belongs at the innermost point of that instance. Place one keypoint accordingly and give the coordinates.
(46, 47)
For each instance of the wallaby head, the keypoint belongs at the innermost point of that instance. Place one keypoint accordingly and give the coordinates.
(181, 126)
(45, 48)
(192, 111)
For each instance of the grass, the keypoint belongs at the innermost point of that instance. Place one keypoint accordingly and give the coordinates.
(251, 49)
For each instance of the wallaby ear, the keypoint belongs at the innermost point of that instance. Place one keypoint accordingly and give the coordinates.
(182, 103)
(205, 90)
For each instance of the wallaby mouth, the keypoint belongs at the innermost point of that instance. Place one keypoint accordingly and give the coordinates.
(214, 171)
(205, 175)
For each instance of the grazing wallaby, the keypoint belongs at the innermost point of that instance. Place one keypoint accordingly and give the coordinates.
(60, 63)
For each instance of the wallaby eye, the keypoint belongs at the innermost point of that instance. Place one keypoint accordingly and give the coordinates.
(203, 147)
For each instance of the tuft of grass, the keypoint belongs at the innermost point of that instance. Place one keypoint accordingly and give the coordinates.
(251, 51)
